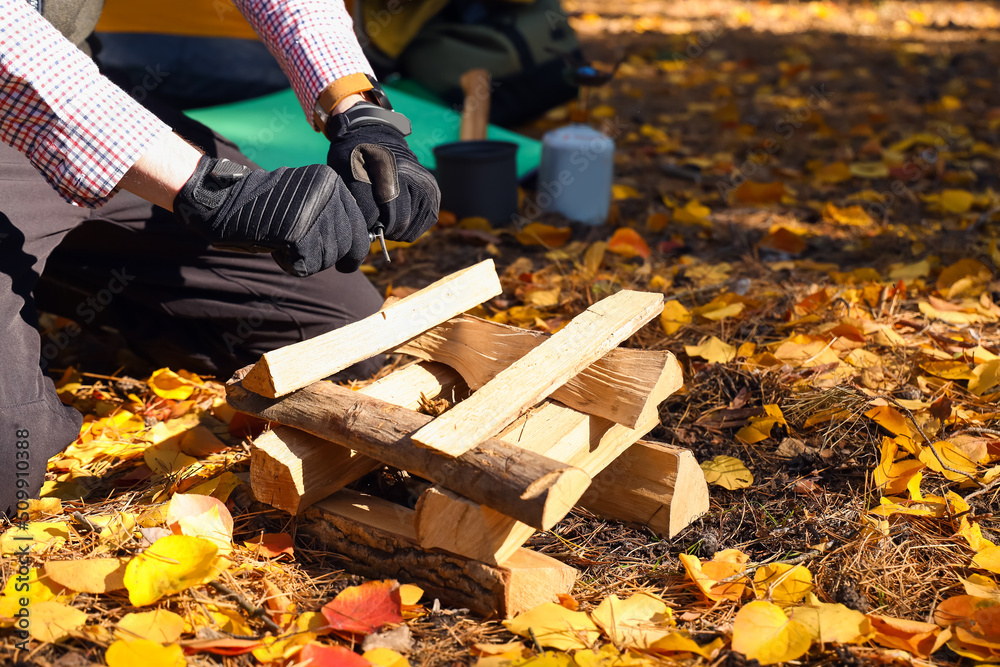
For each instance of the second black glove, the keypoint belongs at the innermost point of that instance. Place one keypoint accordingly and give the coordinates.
(305, 216)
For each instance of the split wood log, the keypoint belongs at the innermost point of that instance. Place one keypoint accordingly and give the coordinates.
(292, 367)
(653, 484)
(376, 538)
(616, 387)
(521, 484)
(445, 520)
(587, 338)
(291, 469)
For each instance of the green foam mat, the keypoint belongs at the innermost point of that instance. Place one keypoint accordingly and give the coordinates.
(272, 131)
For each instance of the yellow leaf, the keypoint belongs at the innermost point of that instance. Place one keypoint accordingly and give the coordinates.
(981, 586)
(159, 625)
(674, 316)
(280, 649)
(93, 575)
(782, 583)
(869, 169)
(964, 276)
(907, 272)
(713, 350)
(854, 216)
(949, 316)
(890, 419)
(410, 595)
(635, 622)
(707, 575)
(606, 656)
(760, 426)
(144, 653)
(385, 657)
(762, 632)
(201, 516)
(957, 201)
(555, 626)
(51, 621)
(115, 527)
(681, 642)
(985, 377)
(594, 256)
(541, 234)
(834, 623)
(177, 386)
(172, 564)
(836, 172)
(952, 456)
(730, 310)
(727, 472)
(39, 535)
(987, 559)
(693, 213)
(619, 191)
(167, 458)
(32, 587)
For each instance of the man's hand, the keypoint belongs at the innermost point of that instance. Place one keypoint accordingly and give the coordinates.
(305, 216)
(389, 184)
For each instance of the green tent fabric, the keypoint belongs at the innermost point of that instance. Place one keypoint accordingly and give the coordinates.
(272, 131)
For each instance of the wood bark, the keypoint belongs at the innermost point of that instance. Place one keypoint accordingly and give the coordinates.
(616, 387)
(587, 338)
(292, 367)
(522, 484)
(445, 520)
(291, 469)
(376, 539)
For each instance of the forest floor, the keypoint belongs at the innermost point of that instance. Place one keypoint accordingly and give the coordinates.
(815, 188)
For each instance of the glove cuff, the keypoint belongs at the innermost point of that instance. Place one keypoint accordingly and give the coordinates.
(362, 114)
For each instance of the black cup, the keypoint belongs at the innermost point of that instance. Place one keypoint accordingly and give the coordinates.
(478, 179)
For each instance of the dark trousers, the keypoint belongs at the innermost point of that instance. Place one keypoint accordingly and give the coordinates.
(133, 266)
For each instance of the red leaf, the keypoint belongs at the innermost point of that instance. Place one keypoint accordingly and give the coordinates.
(271, 545)
(318, 655)
(364, 609)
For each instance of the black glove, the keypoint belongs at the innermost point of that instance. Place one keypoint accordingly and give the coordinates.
(305, 216)
(389, 184)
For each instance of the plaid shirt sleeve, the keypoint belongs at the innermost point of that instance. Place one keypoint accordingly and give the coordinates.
(77, 128)
(313, 40)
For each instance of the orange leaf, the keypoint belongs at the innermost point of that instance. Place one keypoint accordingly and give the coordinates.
(366, 608)
(707, 575)
(271, 545)
(537, 233)
(914, 636)
(657, 222)
(628, 243)
(836, 172)
(783, 240)
(752, 192)
(890, 419)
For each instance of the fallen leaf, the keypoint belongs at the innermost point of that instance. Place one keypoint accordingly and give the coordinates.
(39, 535)
(712, 350)
(987, 559)
(853, 216)
(271, 545)
(172, 564)
(537, 233)
(673, 317)
(752, 192)
(555, 626)
(957, 201)
(635, 622)
(280, 649)
(92, 575)
(915, 637)
(179, 386)
(783, 584)
(364, 609)
(159, 625)
(201, 516)
(783, 240)
(51, 621)
(318, 655)
(834, 623)
(762, 632)
(628, 243)
(707, 575)
(835, 172)
(681, 642)
(693, 213)
(727, 472)
(964, 276)
(620, 191)
(385, 657)
(125, 653)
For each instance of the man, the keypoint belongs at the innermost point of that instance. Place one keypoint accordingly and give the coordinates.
(86, 227)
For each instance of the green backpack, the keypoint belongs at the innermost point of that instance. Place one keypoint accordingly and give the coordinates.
(529, 48)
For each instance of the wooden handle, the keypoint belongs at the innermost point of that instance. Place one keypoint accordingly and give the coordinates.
(476, 110)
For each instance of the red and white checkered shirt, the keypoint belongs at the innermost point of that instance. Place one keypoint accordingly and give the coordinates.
(83, 133)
